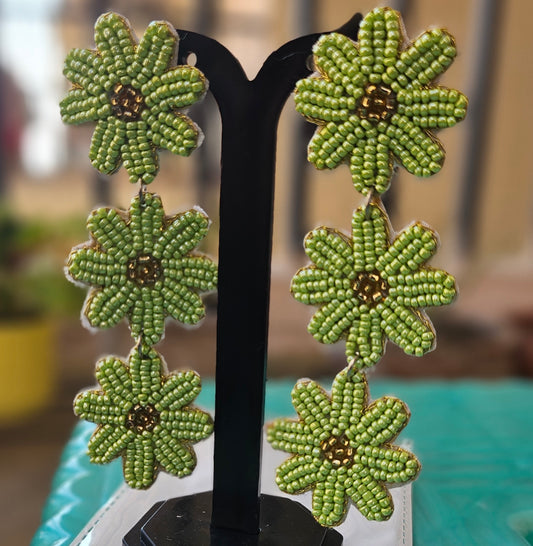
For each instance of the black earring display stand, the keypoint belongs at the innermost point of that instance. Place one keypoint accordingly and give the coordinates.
(235, 513)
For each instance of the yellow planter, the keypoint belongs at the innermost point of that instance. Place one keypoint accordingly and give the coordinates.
(26, 368)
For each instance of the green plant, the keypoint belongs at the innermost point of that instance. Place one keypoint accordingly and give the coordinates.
(31, 281)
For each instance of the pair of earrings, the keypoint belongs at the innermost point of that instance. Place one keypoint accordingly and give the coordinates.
(373, 102)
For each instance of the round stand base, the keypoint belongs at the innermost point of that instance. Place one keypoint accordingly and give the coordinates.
(186, 521)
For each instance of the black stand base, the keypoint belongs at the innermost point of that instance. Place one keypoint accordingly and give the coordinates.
(186, 521)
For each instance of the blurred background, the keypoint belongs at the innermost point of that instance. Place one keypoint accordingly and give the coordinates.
(480, 204)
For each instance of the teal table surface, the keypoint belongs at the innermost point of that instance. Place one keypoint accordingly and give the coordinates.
(474, 440)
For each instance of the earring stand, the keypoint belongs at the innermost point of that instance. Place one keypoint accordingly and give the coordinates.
(235, 513)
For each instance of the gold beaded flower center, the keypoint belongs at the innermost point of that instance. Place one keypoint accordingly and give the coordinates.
(338, 451)
(142, 418)
(145, 270)
(127, 103)
(377, 104)
(370, 288)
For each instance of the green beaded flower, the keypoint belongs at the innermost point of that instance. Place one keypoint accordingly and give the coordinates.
(134, 94)
(140, 265)
(369, 288)
(144, 416)
(342, 448)
(374, 100)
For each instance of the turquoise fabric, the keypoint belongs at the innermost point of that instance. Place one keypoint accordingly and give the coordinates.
(475, 442)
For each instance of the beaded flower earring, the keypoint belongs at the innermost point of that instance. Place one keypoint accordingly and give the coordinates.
(374, 103)
(370, 288)
(341, 448)
(135, 95)
(139, 264)
(145, 416)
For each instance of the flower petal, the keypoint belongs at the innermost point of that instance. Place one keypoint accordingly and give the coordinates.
(96, 407)
(332, 144)
(420, 153)
(146, 372)
(336, 58)
(140, 465)
(312, 285)
(371, 164)
(105, 308)
(83, 68)
(366, 342)
(182, 304)
(176, 89)
(379, 37)
(313, 406)
(370, 236)
(433, 108)
(187, 424)
(414, 246)
(90, 266)
(146, 316)
(139, 153)
(332, 320)
(389, 464)
(371, 498)
(411, 331)
(330, 250)
(298, 473)
(109, 229)
(291, 436)
(115, 380)
(198, 272)
(179, 390)
(320, 101)
(184, 234)
(381, 422)
(79, 107)
(423, 61)
(155, 52)
(108, 442)
(174, 456)
(348, 398)
(426, 287)
(174, 131)
(106, 143)
(329, 500)
(113, 37)
(146, 222)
